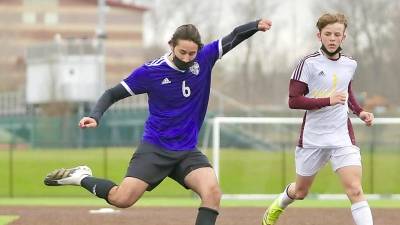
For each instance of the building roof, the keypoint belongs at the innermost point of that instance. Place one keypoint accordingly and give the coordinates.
(123, 4)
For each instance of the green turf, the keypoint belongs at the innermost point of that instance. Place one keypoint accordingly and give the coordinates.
(6, 219)
(269, 172)
(242, 171)
(187, 202)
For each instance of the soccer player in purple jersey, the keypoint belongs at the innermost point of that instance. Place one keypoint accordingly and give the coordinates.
(321, 85)
(178, 88)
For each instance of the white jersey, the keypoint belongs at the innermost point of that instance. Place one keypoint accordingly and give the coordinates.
(326, 127)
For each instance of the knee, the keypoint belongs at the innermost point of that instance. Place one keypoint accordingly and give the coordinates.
(121, 202)
(354, 191)
(300, 194)
(213, 194)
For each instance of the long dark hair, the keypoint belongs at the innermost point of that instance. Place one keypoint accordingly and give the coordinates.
(186, 32)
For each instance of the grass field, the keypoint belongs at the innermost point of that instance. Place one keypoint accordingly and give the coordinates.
(7, 219)
(185, 202)
(241, 172)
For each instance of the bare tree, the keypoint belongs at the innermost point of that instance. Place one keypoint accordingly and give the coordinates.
(393, 64)
(371, 39)
(167, 15)
(253, 62)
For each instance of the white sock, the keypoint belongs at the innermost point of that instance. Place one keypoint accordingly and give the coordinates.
(285, 200)
(362, 213)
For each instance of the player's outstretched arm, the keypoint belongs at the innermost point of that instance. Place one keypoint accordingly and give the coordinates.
(243, 32)
(108, 98)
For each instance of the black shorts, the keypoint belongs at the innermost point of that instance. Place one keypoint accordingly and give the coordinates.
(152, 164)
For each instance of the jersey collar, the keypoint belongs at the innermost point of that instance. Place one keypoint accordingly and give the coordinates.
(322, 53)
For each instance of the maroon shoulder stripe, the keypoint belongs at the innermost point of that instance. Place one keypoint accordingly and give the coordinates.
(301, 64)
(299, 68)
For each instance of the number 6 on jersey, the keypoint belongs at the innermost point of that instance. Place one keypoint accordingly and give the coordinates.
(185, 89)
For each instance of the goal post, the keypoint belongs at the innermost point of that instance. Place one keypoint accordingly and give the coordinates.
(217, 122)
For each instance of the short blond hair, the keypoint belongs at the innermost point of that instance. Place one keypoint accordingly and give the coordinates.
(330, 18)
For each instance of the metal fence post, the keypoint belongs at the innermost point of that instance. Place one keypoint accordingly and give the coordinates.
(105, 161)
(371, 158)
(284, 159)
(11, 164)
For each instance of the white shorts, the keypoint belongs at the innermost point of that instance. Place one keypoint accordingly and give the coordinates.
(310, 160)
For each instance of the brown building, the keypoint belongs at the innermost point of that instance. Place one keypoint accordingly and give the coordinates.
(24, 23)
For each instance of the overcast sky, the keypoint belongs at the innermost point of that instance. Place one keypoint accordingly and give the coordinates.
(293, 24)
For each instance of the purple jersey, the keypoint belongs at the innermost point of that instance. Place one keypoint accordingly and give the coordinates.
(177, 99)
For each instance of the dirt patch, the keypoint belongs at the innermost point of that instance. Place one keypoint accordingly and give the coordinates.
(30, 215)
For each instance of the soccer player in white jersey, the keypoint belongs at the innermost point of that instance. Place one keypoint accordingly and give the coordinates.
(321, 85)
(178, 87)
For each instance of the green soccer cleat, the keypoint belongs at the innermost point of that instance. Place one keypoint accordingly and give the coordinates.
(272, 214)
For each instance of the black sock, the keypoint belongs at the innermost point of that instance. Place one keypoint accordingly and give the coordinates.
(206, 216)
(97, 186)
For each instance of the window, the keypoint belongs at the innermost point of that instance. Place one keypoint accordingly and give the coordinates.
(40, 11)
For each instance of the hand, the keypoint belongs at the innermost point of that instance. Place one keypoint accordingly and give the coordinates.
(367, 117)
(338, 98)
(264, 25)
(87, 122)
